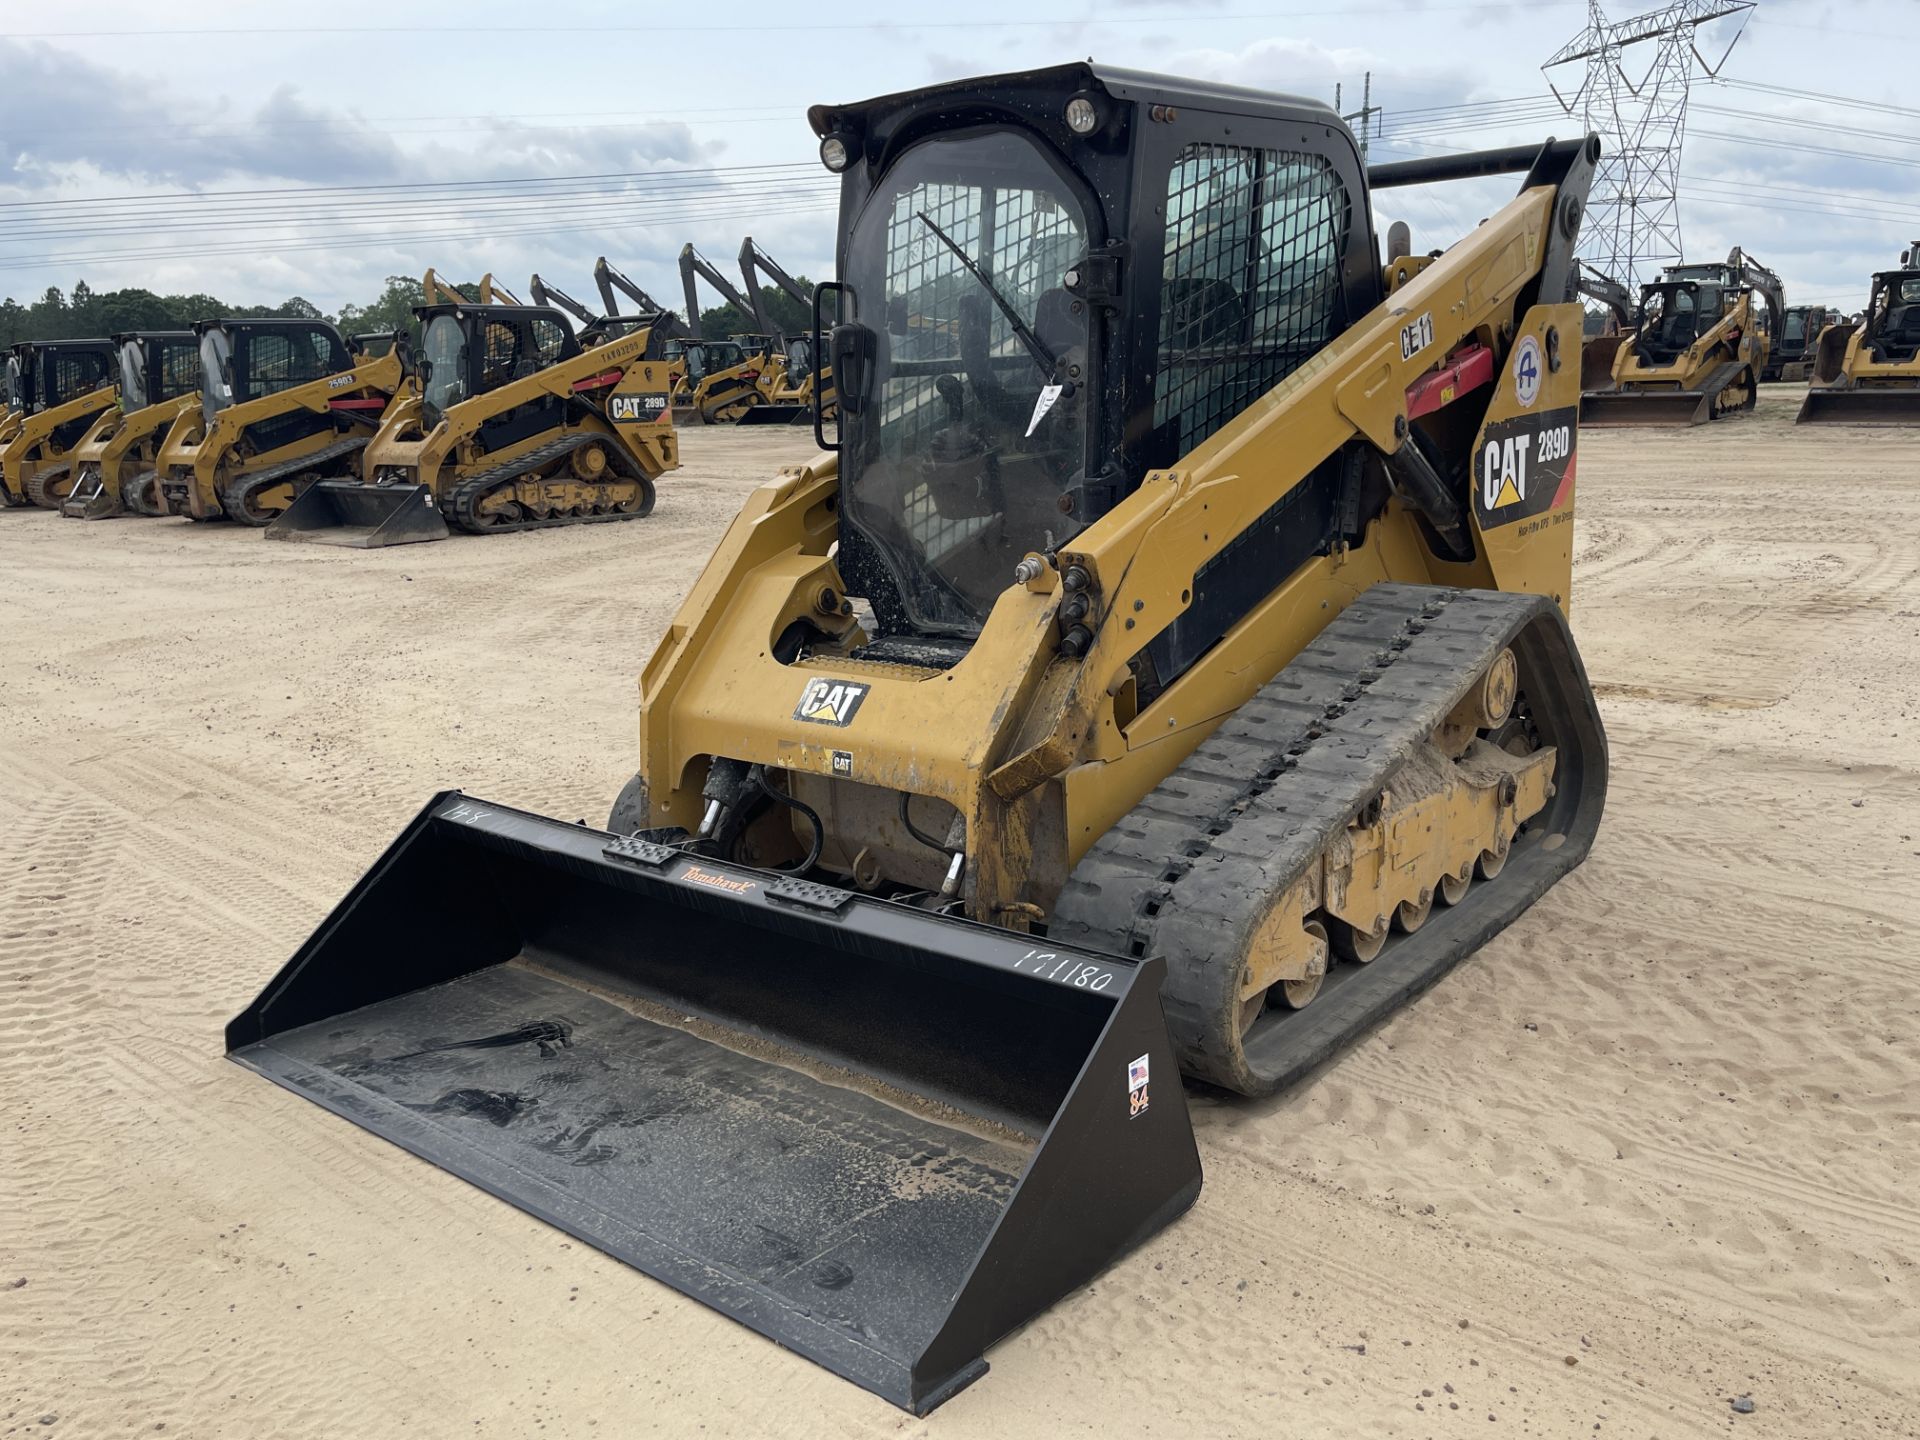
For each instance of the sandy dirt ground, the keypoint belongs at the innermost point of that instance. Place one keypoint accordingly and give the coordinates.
(1652, 1149)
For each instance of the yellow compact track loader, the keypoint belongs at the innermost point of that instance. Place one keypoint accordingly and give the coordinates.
(1168, 672)
(62, 387)
(788, 385)
(115, 465)
(1791, 356)
(1698, 347)
(724, 378)
(515, 424)
(1869, 373)
(282, 404)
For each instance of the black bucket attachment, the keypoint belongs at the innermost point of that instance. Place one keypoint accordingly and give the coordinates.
(1610, 409)
(880, 1137)
(365, 517)
(1870, 405)
(769, 412)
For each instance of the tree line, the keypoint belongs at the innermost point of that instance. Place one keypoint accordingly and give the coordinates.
(86, 313)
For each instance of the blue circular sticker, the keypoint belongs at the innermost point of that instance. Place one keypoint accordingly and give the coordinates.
(1526, 371)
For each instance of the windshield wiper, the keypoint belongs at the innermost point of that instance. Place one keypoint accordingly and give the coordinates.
(1043, 356)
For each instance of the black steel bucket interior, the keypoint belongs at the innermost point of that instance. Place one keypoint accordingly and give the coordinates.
(364, 517)
(880, 1137)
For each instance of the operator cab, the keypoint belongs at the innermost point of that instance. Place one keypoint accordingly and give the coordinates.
(1893, 316)
(1053, 283)
(1674, 314)
(156, 366)
(469, 350)
(243, 360)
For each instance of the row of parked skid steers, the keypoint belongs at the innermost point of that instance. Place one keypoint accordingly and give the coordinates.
(1702, 338)
(509, 416)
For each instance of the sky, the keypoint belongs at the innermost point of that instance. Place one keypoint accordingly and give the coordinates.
(166, 145)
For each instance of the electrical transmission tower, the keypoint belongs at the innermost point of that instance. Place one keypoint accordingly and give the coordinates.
(1633, 93)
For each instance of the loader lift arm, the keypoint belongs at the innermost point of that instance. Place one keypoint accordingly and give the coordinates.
(753, 261)
(695, 267)
(612, 284)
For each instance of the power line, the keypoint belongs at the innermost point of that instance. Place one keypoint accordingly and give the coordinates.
(599, 223)
(417, 185)
(868, 26)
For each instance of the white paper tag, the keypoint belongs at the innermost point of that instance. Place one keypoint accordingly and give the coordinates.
(1042, 403)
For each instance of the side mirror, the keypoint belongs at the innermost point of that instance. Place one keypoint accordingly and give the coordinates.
(853, 351)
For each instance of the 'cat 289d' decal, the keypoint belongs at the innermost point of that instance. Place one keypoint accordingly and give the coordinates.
(1524, 466)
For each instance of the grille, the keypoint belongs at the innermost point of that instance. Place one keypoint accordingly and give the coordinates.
(1250, 286)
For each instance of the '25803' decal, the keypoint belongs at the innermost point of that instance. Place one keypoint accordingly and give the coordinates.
(1524, 466)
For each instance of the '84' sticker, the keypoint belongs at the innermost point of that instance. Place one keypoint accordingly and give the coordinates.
(1528, 371)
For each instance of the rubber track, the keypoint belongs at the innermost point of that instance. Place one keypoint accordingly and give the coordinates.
(234, 493)
(1186, 873)
(38, 492)
(461, 506)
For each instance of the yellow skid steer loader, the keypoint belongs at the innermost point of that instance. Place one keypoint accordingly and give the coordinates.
(1698, 347)
(115, 466)
(282, 404)
(63, 386)
(515, 424)
(1167, 671)
(1869, 373)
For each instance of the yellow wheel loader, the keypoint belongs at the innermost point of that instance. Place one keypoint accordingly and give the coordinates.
(788, 386)
(63, 387)
(115, 465)
(282, 404)
(1868, 373)
(1168, 671)
(1698, 347)
(515, 424)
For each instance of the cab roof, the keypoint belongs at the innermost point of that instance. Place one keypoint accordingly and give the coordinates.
(1132, 86)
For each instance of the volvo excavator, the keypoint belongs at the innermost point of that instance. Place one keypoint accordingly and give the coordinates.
(115, 465)
(282, 404)
(60, 388)
(789, 386)
(1868, 373)
(1597, 352)
(1698, 347)
(515, 423)
(1165, 669)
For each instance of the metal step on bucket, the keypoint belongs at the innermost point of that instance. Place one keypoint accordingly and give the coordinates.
(1876, 405)
(878, 1136)
(364, 517)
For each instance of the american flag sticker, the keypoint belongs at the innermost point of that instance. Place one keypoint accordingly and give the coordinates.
(1137, 1073)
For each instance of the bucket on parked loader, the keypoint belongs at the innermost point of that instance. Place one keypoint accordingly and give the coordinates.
(364, 517)
(881, 1137)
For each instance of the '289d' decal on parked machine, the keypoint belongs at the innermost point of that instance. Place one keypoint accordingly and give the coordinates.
(1524, 466)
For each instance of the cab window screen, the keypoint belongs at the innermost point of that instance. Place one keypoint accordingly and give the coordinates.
(549, 338)
(501, 353)
(76, 374)
(279, 361)
(1250, 281)
(179, 367)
